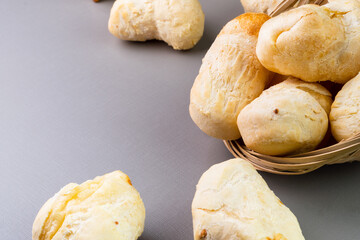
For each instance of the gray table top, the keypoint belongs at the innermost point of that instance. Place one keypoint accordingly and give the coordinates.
(76, 102)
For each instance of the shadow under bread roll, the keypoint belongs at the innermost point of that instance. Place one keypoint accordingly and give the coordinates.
(230, 77)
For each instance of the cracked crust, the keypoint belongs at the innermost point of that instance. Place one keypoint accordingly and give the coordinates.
(313, 43)
(105, 208)
(317, 91)
(283, 120)
(233, 202)
(180, 23)
(345, 111)
(230, 77)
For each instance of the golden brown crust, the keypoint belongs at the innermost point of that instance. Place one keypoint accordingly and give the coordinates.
(203, 234)
(248, 23)
(277, 236)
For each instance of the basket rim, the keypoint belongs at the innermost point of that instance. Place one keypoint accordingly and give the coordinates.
(287, 4)
(343, 151)
(352, 142)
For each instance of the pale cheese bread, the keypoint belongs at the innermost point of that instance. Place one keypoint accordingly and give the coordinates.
(230, 77)
(232, 202)
(283, 120)
(180, 23)
(313, 43)
(105, 208)
(345, 111)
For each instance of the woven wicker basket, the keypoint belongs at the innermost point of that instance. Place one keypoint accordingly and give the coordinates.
(344, 151)
(288, 4)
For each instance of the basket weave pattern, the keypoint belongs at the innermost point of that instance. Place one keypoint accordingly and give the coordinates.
(345, 151)
(287, 4)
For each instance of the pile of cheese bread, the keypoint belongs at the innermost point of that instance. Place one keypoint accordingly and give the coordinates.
(258, 81)
(266, 80)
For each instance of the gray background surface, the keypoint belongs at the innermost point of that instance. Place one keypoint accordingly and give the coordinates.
(76, 102)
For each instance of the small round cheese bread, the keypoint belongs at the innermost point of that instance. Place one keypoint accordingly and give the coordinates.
(313, 43)
(233, 202)
(179, 23)
(345, 111)
(230, 77)
(283, 120)
(106, 208)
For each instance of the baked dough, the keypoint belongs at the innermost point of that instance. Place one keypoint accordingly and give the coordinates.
(232, 202)
(313, 43)
(105, 208)
(320, 93)
(345, 111)
(180, 23)
(265, 6)
(260, 6)
(230, 77)
(283, 120)
(317, 91)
